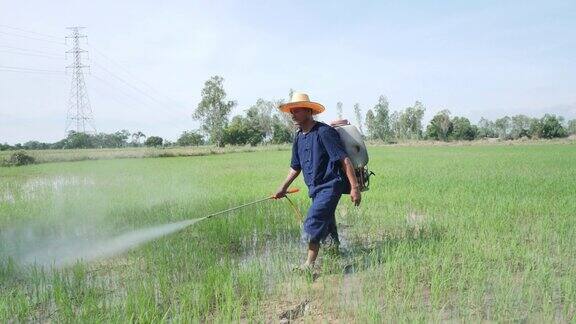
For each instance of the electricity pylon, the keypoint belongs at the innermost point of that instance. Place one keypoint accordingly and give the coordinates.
(79, 117)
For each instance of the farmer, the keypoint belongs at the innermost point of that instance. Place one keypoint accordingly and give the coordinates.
(328, 172)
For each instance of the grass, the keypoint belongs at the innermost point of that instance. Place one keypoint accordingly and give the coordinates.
(50, 156)
(466, 233)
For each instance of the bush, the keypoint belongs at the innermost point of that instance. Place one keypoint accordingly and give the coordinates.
(19, 158)
(281, 134)
(462, 129)
(242, 132)
(548, 126)
(154, 141)
(76, 140)
(190, 139)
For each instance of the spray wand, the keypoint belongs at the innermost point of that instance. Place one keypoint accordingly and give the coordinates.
(289, 191)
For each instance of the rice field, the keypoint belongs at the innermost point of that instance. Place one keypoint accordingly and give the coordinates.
(70, 155)
(446, 233)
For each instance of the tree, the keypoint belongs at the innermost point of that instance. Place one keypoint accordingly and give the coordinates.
(358, 114)
(76, 140)
(339, 110)
(213, 110)
(114, 140)
(284, 119)
(35, 145)
(503, 127)
(552, 127)
(5, 147)
(411, 121)
(190, 138)
(535, 128)
(395, 125)
(242, 132)
(154, 141)
(520, 126)
(571, 127)
(381, 123)
(283, 125)
(136, 138)
(280, 133)
(440, 127)
(486, 128)
(371, 124)
(121, 137)
(462, 129)
(261, 114)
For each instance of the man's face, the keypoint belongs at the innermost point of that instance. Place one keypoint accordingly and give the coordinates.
(301, 115)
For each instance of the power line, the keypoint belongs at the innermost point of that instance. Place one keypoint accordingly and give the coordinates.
(32, 38)
(33, 72)
(52, 75)
(126, 94)
(24, 69)
(32, 54)
(144, 103)
(142, 92)
(78, 91)
(127, 83)
(29, 50)
(29, 31)
(97, 51)
(129, 96)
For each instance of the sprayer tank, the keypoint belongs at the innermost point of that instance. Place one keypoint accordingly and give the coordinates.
(353, 144)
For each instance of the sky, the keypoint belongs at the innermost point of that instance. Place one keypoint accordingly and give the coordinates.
(149, 59)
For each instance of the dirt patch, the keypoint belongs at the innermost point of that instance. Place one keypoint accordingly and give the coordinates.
(332, 298)
(295, 312)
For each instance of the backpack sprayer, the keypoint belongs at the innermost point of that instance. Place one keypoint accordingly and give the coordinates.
(356, 149)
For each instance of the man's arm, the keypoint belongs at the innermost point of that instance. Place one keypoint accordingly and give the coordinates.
(281, 192)
(351, 175)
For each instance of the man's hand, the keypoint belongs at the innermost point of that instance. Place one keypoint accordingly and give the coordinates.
(351, 175)
(355, 196)
(280, 193)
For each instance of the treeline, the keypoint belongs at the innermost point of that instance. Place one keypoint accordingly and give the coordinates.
(263, 123)
(407, 124)
(119, 139)
(76, 140)
(445, 128)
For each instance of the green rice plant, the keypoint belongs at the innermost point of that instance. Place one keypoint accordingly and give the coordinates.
(446, 233)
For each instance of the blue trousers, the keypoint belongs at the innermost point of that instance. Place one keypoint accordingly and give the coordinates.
(321, 220)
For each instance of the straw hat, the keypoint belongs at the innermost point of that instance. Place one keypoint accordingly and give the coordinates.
(301, 100)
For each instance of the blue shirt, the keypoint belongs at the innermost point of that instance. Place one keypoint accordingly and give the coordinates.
(318, 154)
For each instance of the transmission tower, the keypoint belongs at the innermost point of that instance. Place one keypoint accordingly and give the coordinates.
(79, 117)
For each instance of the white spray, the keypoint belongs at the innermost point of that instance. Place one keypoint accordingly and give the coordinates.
(66, 253)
